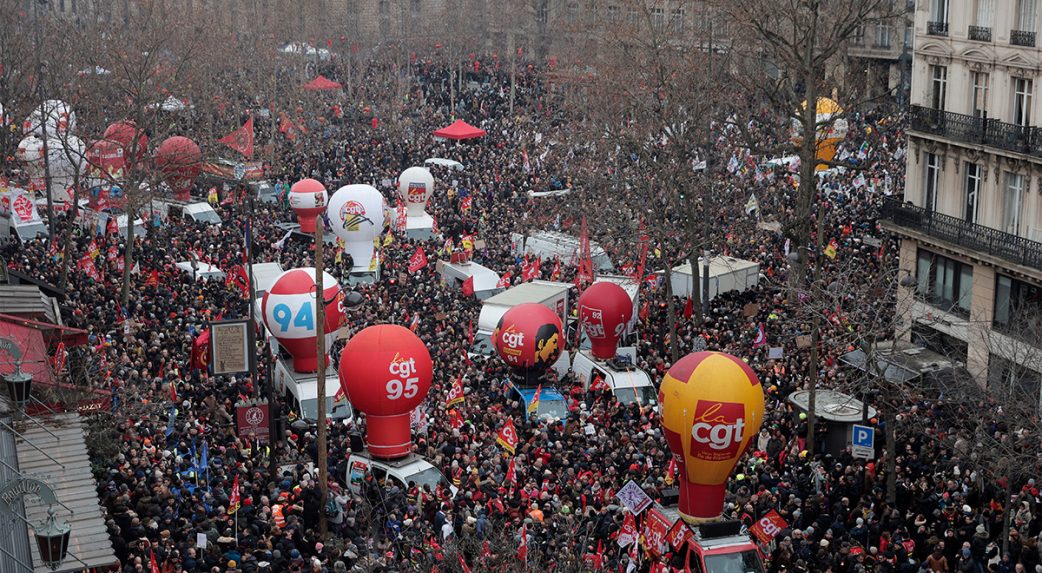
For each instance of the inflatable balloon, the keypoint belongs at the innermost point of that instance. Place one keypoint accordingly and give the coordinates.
(386, 371)
(356, 213)
(123, 133)
(604, 311)
(308, 199)
(712, 407)
(60, 119)
(415, 186)
(177, 159)
(67, 160)
(831, 129)
(30, 152)
(105, 162)
(288, 309)
(529, 337)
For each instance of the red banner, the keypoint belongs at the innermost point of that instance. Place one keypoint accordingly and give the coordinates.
(656, 530)
(455, 393)
(241, 139)
(251, 420)
(418, 260)
(507, 437)
(768, 527)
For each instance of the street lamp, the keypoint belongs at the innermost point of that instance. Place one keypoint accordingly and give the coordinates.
(19, 384)
(52, 538)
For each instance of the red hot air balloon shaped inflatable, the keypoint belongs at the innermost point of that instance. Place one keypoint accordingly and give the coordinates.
(604, 311)
(289, 313)
(123, 133)
(178, 160)
(712, 407)
(386, 371)
(308, 198)
(529, 337)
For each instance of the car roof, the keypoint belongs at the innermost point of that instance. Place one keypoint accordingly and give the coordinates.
(546, 393)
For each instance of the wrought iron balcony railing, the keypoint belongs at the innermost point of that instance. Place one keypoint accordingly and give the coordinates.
(979, 130)
(937, 28)
(1012, 248)
(1022, 38)
(980, 34)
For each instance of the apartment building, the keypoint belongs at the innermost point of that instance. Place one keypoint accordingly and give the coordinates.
(880, 54)
(970, 221)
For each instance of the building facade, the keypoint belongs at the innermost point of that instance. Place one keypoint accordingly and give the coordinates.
(970, 221)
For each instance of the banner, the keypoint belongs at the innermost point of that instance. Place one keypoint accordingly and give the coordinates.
(507, 438)
(768, 527)
(455, 393)
(530, 271)
(418, 260)
(241, 139)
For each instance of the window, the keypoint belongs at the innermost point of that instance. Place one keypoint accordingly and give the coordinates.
(938, 86)
(415, 7)
(1017, 305)
(939, 11)
(979, 98)
(658, 17)
(1025, 15)
(613, 13)
(973, 190)
(1022, 89)
(882, 35)
(985, 8)
(385, 8)
(543, 14)
(940, 342)
(631, 16)
(944, 283)
(1013, 380)
(931, 180)
(859, 34)
(1012, 202)
(678, 17)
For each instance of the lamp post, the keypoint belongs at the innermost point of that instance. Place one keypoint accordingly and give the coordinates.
(52, 536)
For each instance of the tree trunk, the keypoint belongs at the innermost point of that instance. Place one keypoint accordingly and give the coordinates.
(812, 383)
(891, 455)
(128, 259)
(74, 213)
(808, 161)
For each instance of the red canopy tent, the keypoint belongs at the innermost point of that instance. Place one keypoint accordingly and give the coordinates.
(322, 83)
(459, 130)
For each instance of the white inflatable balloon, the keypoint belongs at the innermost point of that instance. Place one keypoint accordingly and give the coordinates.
(60, 119)
(67, 159)
(415, 186)
(356, 213)
(30, 153)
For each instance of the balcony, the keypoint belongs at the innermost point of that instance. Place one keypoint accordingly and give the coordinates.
(883, 45)
(1012, 248)
(937, 28)
(980, 34)
(1022, 38)
(978, 130)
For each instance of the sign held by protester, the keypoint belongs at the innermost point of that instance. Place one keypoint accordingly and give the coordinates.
(768, 527)
(634, 498)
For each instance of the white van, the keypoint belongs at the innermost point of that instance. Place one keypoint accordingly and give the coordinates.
(300, 390)
(628, 383)
(19, 217)
(199, 270)
(486, 280)
(97, 222)
(200, 212)
(412, 469)
(550, 244)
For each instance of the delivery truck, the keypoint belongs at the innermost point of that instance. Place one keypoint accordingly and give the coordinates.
(725, 274)
(550, 244)
(553, 295)
(713, 547)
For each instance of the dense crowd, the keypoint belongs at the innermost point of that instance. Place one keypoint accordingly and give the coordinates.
(158, 498)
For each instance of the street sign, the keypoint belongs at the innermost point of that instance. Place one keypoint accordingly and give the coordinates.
(251, 419)
(862, 441)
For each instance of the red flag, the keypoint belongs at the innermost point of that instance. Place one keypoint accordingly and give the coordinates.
(504, 281)
(689, 308)
(466, 204)
(60, 355)
(173, 392)
(201, 351)
(761, 336)
(486, 550)
(645, 311)
(468, 286)
(153, 567)
(233, 499)
(556, 273)
(455, 419)
(290, 128)
(671, 470)
(418, 260)
(628, 533)
(455, 393)
(415, 322)
(237, 277)
(585, 276)
(530, 270)
(241, 139)
(522, 549)
(511, 477)
(153, 279)
(463, 563)
(507, 438)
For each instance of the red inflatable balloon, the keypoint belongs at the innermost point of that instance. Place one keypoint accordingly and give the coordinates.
(529, 337)
(123, 133)
(386, 371)
(289, 313)
(308, 198)
(604, 311)
(178, 160)
(105, 161)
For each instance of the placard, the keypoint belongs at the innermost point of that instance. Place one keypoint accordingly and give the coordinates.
(251, 420)
(230, 346)
(775, 353)
(803, 341)
(633, 497)
(750, 309)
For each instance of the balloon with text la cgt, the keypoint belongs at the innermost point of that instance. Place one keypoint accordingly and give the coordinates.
(386, 371)
(604, 312)
(415, 186)
(288, 309)
(308, 199)
(178, 160)
(529, 337)
(712, 407)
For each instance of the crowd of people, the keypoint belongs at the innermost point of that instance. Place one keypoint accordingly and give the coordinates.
(160, 491)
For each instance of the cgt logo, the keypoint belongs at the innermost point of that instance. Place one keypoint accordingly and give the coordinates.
(717, 431)
(511, 337)
(417, 192)
(402, 367)
(593, 321)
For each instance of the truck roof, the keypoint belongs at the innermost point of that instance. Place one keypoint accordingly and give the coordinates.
(264, 275)
(404, 463)
(567, 241)
(535, 291)
(718, 266)
(546, 393)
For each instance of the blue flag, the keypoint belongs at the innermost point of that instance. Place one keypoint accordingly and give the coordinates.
(205, 462)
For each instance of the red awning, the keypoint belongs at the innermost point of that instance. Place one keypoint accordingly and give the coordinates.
(52, 333)
(459, 130)
(322, 83)
(29, 343)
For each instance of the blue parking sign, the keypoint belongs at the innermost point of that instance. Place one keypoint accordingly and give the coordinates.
(862, 440)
